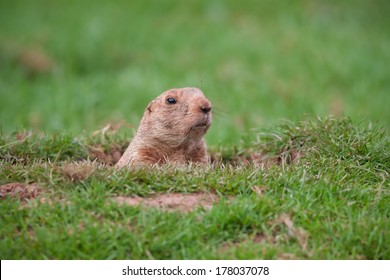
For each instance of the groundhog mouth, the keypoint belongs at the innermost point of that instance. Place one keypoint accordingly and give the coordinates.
(203, 124)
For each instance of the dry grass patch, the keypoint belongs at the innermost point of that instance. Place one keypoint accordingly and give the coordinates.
(298, 233)
(78, 171)
(258, 158)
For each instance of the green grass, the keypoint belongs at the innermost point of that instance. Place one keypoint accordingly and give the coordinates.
(67, 68)
(337, 197)
(257, 61)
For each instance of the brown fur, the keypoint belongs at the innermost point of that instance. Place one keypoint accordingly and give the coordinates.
(171, 133)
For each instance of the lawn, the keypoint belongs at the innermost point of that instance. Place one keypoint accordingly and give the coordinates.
(274, 72)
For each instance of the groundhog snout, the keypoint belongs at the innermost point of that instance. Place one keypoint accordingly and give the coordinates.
(205, 109)
(203, 105)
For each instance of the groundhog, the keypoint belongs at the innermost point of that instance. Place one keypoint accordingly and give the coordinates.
(171, 130)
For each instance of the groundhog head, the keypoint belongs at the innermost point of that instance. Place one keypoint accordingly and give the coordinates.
(177, 116)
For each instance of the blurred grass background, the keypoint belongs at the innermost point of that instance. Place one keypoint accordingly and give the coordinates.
(76, 65)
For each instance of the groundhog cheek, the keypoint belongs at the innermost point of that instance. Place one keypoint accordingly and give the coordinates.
(168, 125)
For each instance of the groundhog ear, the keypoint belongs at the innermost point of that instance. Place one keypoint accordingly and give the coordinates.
(150, 107)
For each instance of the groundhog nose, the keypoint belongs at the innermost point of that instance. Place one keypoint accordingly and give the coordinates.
(205, 109)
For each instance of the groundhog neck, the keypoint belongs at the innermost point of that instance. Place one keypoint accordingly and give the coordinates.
(186, 151)
(152, 136)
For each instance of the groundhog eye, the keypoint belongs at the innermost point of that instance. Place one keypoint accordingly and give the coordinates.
(171, 100)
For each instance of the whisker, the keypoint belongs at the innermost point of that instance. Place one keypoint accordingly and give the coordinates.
(218, 109)
(223, 114)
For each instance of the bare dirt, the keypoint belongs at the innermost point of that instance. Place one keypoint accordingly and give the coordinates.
(36, 61)
(20, 191)
(172, 201)
(108, 153)
(108, 156)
